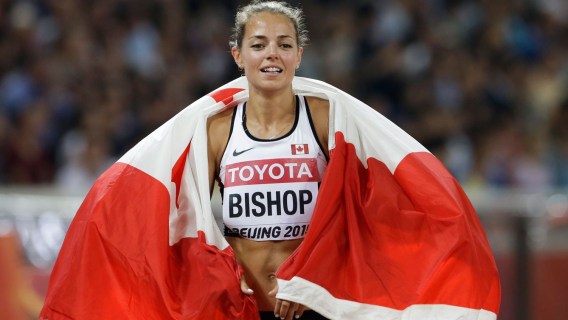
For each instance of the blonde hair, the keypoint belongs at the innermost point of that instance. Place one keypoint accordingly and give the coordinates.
(244, 14)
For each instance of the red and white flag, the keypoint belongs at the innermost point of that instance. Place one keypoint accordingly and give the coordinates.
(298, 149)
(393, 235)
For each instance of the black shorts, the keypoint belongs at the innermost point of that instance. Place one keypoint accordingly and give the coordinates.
(307, 315)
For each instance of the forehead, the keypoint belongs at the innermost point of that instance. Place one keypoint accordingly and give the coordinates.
(266, 23)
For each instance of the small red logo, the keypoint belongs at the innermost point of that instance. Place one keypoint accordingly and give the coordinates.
(300, 149)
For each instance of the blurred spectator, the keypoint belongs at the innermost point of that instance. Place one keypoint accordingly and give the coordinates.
(27, 153)
(514, 160)
(557, 155)
(479, 83)
(85, 154)
(4, 128)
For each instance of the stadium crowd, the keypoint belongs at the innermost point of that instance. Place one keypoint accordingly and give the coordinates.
(482, 84)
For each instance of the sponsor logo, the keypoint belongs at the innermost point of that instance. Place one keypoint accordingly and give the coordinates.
(284, 170)
(298, 149)
(238, 153)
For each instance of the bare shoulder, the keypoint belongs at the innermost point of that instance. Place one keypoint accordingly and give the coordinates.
(219, 123)
(319, 109)
(222, 116)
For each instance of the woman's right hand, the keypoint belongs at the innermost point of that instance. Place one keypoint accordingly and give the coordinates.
(285, 309)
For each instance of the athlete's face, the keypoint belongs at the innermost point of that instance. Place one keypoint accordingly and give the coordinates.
(269, 52)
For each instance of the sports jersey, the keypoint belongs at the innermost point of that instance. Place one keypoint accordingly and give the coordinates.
(269, 186)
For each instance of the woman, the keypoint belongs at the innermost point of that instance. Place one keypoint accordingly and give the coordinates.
(396, 234)
(269, 153)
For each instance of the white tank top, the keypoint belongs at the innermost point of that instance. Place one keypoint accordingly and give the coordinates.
(269, 186)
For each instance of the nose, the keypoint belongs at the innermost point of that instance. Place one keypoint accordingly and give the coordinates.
(272, 50)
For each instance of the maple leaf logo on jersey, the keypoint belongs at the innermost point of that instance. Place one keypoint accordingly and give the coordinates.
(299, 149)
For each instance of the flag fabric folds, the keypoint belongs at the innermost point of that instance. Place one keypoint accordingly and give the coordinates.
(393, 235)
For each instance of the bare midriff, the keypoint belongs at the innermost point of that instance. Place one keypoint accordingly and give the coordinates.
(260, 260)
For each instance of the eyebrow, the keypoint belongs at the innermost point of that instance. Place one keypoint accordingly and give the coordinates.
(261, 37)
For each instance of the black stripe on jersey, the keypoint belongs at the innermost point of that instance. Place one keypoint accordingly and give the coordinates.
(314, 132)
(231, 130)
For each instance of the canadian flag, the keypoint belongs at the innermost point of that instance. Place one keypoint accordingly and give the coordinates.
(300, 149)
(393, 235)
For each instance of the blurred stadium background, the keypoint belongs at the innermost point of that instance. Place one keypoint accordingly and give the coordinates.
(481, 83)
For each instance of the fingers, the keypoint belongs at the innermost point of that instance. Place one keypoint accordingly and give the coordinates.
(281, 308)
(284, 309)
(245, 287)
(277, 307)
(292, 311)
(300, 311)
(288, 310)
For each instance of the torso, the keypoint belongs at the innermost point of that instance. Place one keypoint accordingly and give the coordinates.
(269, 186)
(260, 259)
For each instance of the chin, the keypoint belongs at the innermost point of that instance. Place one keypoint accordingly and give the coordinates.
(272, 84)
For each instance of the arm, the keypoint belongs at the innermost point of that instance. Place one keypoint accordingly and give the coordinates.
(218, 127)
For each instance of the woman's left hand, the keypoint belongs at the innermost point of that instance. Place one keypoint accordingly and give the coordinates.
(285, 309)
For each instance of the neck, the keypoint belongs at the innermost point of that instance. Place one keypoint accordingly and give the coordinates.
(269, 117)
(269, 108)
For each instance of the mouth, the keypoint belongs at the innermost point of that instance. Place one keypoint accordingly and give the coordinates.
(273, 70)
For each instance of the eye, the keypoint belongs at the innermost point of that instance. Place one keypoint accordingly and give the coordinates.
(257, 46)
(286, 46)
